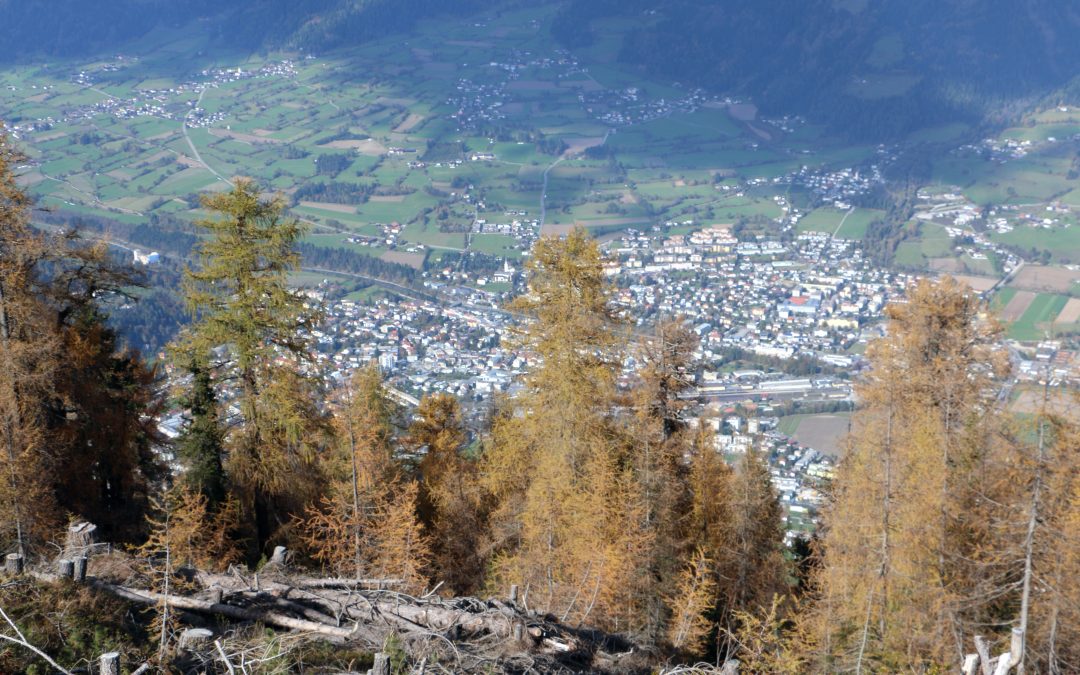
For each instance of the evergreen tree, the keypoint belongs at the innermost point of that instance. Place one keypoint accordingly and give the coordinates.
(200, 445)
(105, 442)
(240, 300)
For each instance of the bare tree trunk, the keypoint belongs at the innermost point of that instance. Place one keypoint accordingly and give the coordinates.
(11, 423)
(1033, 518)
(165, 604)
(355, 477)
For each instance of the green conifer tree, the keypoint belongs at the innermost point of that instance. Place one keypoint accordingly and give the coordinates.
(200, 446)
(240, 300)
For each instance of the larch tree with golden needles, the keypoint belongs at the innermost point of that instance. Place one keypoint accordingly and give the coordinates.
(27, 366)
(902, 584)
(1044, 522)
(452, 507)
(567, 522)
(751, 564)
(241, 302)
(662, 449)
(367, 524)
(76, 411)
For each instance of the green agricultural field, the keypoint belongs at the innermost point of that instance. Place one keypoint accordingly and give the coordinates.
(1062, 243)
(931, 242)
(1035, 323)
(850, 224)
(495, 244)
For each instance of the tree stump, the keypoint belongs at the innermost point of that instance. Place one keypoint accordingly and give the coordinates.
(79, 572)
(80, 539)
(513, 594)
(278, 557)
(110, 663)
(381, 666)
(13, 563)
(194, 639)
(65, 568)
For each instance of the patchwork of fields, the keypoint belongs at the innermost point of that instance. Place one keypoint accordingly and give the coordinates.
(1030, 316)
(399, 150)
(435, 137)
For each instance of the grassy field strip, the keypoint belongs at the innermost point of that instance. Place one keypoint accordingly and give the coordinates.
(1037, 320)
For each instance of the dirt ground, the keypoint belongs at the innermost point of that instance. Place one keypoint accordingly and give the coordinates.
(1045, 278)
(1061, 401)
(409, 123)
(365, 147)
(744, 112)
(823, 433)
(1070, 313)
(246, 138)
(330, 206)
(563, 229)
(1017, 306)
(979, 284)
(414, 260)
(576, 146)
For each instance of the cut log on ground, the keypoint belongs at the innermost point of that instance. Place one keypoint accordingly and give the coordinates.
(461, 635)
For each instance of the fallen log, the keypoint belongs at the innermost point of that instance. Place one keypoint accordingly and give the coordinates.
(269, 617)
(464, 634)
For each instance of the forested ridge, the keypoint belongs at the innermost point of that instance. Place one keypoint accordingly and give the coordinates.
(313, 525)
(71, 28)
(877, 69)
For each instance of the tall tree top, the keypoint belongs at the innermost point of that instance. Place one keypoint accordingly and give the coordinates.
(239, 292)
(569, 298)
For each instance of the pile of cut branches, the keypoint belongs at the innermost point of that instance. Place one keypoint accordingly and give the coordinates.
(433, 633)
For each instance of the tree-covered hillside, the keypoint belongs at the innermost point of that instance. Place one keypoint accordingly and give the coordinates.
(869, 67)
(67, 28)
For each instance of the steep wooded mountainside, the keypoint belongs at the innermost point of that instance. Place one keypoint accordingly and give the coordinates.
(882, 67)
(38, 28)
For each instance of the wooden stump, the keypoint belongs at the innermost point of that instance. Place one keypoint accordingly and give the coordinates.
(13, 563)
(279, 554)
(513, 594)
(79, 573)
(381, 665)
(110, 663)
(194, 639)
(80, 539)
(65, 568)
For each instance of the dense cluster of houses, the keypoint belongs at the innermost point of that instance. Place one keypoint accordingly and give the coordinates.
(812, 296)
